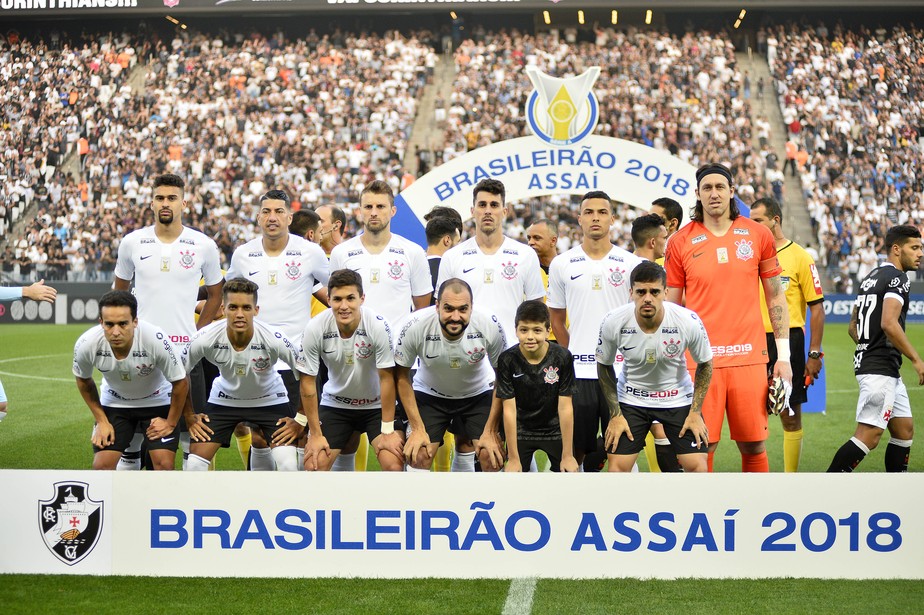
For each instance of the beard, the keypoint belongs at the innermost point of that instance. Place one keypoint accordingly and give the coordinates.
(445, 327)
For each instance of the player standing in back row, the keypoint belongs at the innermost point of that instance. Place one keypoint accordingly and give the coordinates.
(715, 263)
(167, 261)
(877, 325)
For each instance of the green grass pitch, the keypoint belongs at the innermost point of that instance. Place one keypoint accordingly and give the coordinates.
(49, 427)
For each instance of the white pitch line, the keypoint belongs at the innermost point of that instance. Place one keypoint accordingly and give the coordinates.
(49, 378)
(520, 597)
(35, 357)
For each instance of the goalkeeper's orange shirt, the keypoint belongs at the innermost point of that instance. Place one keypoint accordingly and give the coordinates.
(720, 276)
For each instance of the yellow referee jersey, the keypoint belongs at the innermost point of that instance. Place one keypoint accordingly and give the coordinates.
(800, 281)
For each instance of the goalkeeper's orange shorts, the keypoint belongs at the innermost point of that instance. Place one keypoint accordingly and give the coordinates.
(741, 393)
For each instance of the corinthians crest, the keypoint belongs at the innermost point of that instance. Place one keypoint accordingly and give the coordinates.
(187, 259)
(70, 522)
(671, 348)
(562, 111)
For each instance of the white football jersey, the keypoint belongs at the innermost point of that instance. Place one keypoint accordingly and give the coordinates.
(390, 278)
(589, 289)
(248, 378)
(500, 282)
(654, 373)
(140, 380)
(352, 363)
(452, 369)
(167, 277)
(286, 281)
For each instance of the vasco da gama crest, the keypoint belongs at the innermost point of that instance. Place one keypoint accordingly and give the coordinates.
(71, 523)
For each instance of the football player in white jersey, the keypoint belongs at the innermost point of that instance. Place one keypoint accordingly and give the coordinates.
(458, 351)
(248, 389)
(395, 273)
(167, 261)
(586, 282)
(356, 345)
(652, 336)
(501, 272)
(286, 268)
(144, 383)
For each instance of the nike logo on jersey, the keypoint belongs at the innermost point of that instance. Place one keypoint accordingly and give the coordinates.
(517, 375)
(170, 439)
(329, 351)
(144, 257)
(467, 270)
(254, 272)
(433, 357)
(698, 254)
(625, 350)
(574, 277)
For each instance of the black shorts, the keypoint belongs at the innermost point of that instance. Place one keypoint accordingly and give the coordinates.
(292, 390)
(552, 448)
(590, 412)
(639, 419)
(797, 360)
(338, 424)
(197, 387)
(438, 412)
(223, 420)
(125, 421)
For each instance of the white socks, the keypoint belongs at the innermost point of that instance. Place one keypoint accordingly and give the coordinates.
(344, 463)
(195, 463)
(463, 462)
(261, 460)
(285, 457)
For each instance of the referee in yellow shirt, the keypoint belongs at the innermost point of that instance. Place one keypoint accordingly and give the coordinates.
(803, 290)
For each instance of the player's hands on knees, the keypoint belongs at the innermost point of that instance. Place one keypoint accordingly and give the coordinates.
(289, 433)
(417, 439)
(568, 464)
(198, 430)
(783, 369)
(392, 442)
(513, 465)
(617, 426)
(316, 444)
(490, 443)
(695, 424)
(103, 435)
(159, 428)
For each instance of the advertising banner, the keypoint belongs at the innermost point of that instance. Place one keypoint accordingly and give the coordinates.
(664, 526)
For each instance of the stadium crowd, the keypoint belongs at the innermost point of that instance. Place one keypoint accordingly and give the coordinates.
(851, 101)
(239, 113)
(320, 116)
(684, 94)
(55, 89)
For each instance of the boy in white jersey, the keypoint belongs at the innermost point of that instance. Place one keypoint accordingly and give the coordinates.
(356, 345)
(167, 261)
(248, 389)
(286, 268)
(586, 282)
(652, 337)
(143, 383)
(395, 273)
(458, 351)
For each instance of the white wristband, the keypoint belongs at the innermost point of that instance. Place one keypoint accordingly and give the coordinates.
(388, 427)
(301, 419)
(782, 350)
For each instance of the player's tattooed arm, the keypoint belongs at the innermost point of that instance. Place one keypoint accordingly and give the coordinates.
(776, 307)
(852, 327)
(618, 426)
(701, 381)
(607, 378)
